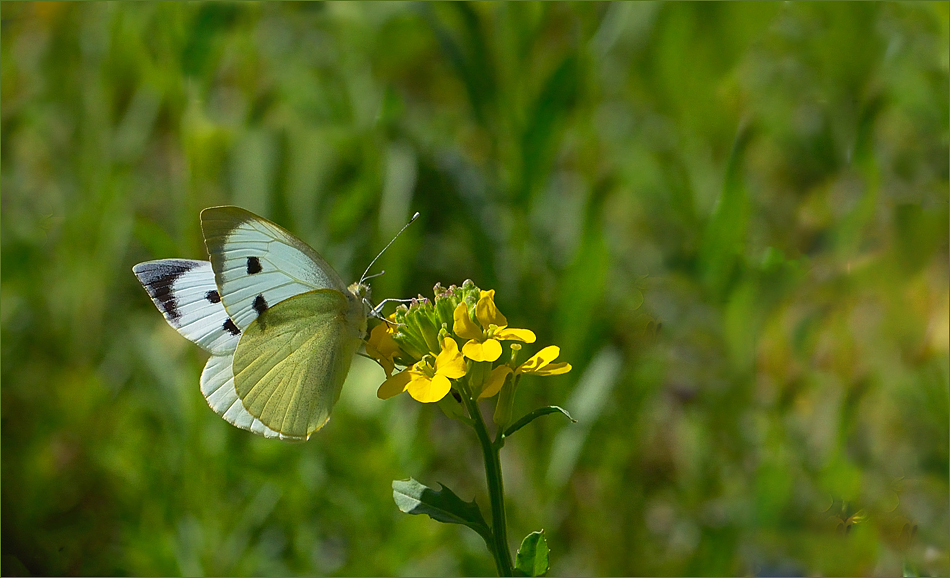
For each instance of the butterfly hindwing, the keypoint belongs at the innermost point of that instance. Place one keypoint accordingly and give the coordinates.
(217, 385)
(257, 264)
(292, 361)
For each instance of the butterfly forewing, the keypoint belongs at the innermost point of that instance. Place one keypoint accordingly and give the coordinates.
(293, 359)
(186, 294)
(257, 264)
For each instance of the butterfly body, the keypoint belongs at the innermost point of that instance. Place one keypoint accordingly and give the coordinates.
(281, 325)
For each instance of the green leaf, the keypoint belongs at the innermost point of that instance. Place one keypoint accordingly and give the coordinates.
(443, 505)
(724, 239)
(466, 49)
(532, 558)
(539, 142)
(536, 414)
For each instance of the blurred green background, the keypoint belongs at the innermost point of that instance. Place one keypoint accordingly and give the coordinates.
(733, 219)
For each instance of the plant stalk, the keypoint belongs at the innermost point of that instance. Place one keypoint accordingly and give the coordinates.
(496, 490)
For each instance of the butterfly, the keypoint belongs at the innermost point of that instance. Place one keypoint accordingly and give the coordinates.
(279, 322)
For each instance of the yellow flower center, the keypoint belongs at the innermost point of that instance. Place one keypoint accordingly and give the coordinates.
(425, 367)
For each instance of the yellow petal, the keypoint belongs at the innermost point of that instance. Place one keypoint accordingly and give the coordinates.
(377, 334)
(490, 350)
(382, 347)
(540, 359)
(554, 369)
(393, 386)
(487, 313)
(464, 326)
(427, 390)
(450, 362)
(383, 361)
(495, 381)
(511, 334)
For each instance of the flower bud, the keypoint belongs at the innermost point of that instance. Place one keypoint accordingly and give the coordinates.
(452, 406)
(506, 399)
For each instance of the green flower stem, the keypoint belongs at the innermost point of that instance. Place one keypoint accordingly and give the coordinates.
(496, 490)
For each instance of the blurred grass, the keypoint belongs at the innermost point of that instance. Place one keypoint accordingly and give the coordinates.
(733, 218)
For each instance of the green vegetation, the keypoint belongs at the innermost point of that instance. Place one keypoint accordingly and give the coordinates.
(732, 218)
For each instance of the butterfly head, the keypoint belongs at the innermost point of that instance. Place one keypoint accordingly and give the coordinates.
(360, 290)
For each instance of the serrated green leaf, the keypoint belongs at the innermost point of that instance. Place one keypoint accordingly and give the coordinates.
(442, 505)
(536, 414)
(532, 558)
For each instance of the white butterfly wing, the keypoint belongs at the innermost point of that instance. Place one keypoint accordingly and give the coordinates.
(258, 264)
(217, 385)
(185, 292)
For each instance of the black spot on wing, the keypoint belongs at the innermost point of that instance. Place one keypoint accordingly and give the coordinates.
(213, 297)
(260, 304)
(253, 265)
(231, 328)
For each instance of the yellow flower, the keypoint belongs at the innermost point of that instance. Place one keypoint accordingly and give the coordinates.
(538, 364)
(427, 382)
(382, 347)
(484, 338)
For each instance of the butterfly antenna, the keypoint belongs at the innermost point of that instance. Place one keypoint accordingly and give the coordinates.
(373, 262)
(374, 275)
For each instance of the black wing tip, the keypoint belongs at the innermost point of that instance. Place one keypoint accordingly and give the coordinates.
(218, 213)
(158, 278)
(151, 272)
(218, 222)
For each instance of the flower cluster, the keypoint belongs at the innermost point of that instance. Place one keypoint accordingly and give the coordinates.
(453, 342)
